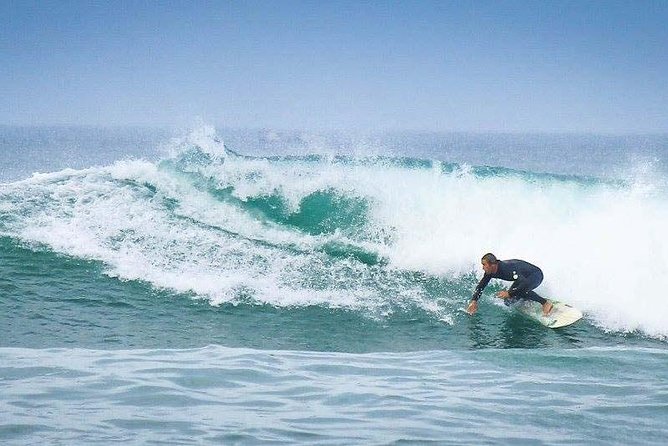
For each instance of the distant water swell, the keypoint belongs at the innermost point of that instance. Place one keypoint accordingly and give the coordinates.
(220, 395)
(375, 235)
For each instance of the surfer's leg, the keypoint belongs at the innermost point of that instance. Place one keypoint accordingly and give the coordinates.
(546, 304)
(532, 282)
(528, 284)
(532, 295)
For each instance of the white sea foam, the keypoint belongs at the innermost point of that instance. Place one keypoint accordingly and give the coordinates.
(601, 248)
(206, 247)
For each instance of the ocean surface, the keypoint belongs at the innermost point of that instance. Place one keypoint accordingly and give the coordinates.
(225, 286)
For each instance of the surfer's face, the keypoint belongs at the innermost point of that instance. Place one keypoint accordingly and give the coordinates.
(489, 268)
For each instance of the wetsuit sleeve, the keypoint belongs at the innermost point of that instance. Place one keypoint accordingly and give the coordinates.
(481, 286)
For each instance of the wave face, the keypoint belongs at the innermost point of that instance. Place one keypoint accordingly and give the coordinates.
(375, 235)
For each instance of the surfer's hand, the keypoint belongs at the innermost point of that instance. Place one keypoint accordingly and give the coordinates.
(473, 307)
(503, 294)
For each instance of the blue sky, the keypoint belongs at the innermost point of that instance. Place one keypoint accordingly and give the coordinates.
(510, 66)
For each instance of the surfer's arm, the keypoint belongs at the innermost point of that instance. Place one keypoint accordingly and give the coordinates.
(481, 286)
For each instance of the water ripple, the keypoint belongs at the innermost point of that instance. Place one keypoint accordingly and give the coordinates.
(217, 395)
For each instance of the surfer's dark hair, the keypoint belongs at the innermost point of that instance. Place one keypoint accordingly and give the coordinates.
(489, 258)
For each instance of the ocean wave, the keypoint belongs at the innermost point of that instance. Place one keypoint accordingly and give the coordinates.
(350, 232)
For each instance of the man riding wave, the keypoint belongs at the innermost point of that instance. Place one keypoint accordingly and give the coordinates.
(525, 276)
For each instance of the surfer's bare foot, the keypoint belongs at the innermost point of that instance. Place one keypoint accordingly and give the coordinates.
(547, 307)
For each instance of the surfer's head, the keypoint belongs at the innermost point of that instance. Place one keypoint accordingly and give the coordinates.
(489, 263)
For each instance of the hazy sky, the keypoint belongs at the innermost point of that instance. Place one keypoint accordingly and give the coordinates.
(598, 66)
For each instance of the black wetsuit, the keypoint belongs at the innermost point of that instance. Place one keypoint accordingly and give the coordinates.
(524, 275)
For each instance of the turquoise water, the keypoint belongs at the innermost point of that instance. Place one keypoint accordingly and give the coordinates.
(175, 291)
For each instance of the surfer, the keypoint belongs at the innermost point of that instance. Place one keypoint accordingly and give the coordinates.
(524, 275)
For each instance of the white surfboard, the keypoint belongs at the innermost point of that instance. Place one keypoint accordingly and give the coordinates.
(561, 315)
